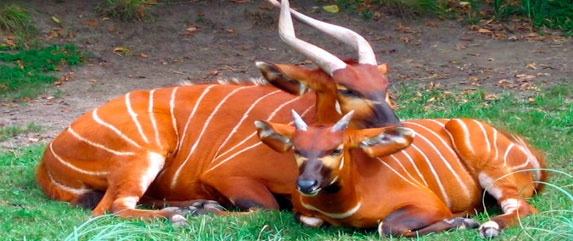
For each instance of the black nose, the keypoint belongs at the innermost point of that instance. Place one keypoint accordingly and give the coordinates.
(306, 185)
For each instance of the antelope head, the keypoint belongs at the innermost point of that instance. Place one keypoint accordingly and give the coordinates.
(323, 151)
(361, 86)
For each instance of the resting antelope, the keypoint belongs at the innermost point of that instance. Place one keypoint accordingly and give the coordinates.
(408, 181)
(193, 142)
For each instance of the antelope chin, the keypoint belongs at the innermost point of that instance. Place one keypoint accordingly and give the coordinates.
(311, 194)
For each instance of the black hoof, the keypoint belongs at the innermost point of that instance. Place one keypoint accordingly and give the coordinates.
(201, 207)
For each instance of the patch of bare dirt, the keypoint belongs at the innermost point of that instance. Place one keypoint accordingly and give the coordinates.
(204, 41)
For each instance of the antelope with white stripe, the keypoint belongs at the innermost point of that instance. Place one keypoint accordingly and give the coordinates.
(412, 180)
(175, 145)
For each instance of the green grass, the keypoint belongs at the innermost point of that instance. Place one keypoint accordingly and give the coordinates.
(25, 73)
(547, 123)
(125, 10)
(14, 20)
(8, 132)
(556, 14)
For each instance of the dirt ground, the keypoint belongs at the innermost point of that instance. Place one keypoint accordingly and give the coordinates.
(229, 36)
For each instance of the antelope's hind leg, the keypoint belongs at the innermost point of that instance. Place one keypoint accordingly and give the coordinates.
(495, 159)
(128, 183)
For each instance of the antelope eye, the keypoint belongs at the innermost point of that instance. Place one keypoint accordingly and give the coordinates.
(347, 92)
(297, 152)
(336, 152)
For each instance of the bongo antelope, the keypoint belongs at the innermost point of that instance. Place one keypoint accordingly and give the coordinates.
(407, 181)
(179, 144)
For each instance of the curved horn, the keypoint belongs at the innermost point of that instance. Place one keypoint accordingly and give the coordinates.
(327, 61)
(299, 123)
(365, 51)
(342, 123)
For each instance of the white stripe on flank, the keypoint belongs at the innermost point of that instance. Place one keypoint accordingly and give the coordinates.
(396, 172)
(435, 174)
(75, 191)
(155, 164)
(79, 137)
(414, 166)
(173, 120)
(346, 214)
(507, 153)
(74, 167)
(152, 118)
(134, 117)
(459, 180)
(466, 135)
(488, 145)
(271, 116)
(495, 143)
(205, 125)
(249, 147)
(197, 103)
(245, 115)
(405, 170)
(437, 122)
(101, 122)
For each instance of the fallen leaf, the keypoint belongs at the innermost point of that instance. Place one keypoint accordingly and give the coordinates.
(213, 73)
(490, 96)
(91, 23)
(231, 30)
(331, 8)
(121, 50)
(240, 1)
(33, 140)
(192, 29)
(473, 78)
(55, 19)
(92, 80)
(460, 47)
(405, 39)
(531, 100)
(491, 59)
(525, 76)
(431, 24)
(531, 66)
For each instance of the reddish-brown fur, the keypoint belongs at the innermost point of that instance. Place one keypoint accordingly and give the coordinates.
(415, 189)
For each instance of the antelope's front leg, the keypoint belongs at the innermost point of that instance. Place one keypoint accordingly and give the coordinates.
(128, 183)
(244, 192)
(412, 221)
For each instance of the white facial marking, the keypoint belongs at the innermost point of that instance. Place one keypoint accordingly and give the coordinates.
(337, 107)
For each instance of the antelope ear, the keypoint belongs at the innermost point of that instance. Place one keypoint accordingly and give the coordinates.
(288, 78)
(385, 141)
(276, 136)
(383, 68)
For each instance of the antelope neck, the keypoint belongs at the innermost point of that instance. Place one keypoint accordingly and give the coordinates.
(337, 204)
